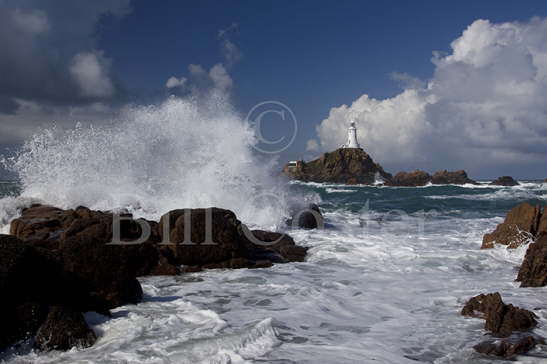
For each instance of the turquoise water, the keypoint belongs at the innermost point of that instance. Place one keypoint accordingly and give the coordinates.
(9, 189)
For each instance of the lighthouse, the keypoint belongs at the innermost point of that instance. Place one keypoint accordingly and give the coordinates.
(352, 137)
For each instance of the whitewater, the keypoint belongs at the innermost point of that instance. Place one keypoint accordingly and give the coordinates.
(383, 282)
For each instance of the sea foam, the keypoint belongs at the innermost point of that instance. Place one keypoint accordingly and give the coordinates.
(182, 153)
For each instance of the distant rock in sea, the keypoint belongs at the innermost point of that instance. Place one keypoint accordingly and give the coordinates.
(451, 178)
(419, 178)
(345, 165)
(355, 166)
(411, 179)
(505, 181)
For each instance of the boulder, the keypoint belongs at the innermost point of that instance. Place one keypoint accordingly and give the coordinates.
(81, 238)
(276, 247)
(63, 329)
(520, 225)
(533, 271)
(542, 226)
(230, 244)
(411, 179)
(507, 348)
(197, 248)
(505, 181)
(453, 178)
(32, 280)
(501, 319)
(42, 225)
(306, 217)
(344, 165)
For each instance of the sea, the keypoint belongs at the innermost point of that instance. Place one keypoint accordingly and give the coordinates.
(383, 282)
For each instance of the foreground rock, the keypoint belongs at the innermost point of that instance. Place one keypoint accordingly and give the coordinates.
(344, 165)
(306, 217)
(507, 348)
(31, 281)
(63, 329)
(501, 319)
(79, 238)
(505, 181)
(521, 224)
(61, 263)
(533, 271)
(229, 245)
(411, 179)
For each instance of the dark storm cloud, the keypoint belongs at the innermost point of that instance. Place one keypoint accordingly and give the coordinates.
(48, 54)
(8, 105)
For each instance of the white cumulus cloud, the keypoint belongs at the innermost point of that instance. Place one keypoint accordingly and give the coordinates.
(485, 106)
(175, 82)
(90, 70)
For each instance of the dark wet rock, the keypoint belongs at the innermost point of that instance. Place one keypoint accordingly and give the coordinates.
(507, 348)
(63, 329)
(307, 217)
(344, 165)
(42, 225)
(197, 248)
(81, 239)
(281, 245)
(520, 225)
(411, 179)
(231, 244)
(453, 178)
(505, 181)
(533, 271)
(501, 319)
(31, 280)
(542, 226)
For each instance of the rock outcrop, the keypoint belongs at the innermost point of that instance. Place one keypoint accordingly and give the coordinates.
(503, 321)
(411, 179)
(31, 281)
(80, 239)
(229, 245)
(505, 181)
(63, 329)
(533, 271)
(60, 263)
(451, 178)
(421, 178)
(344, 165)
(306, 217)
(355, 166)
(520, 225)
(508, 348)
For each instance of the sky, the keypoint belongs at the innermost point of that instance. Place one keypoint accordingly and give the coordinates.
(431, 85)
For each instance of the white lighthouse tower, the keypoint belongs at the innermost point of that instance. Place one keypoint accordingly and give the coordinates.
(352, 137)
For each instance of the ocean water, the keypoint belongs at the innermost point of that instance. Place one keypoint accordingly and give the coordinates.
(383, 283)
